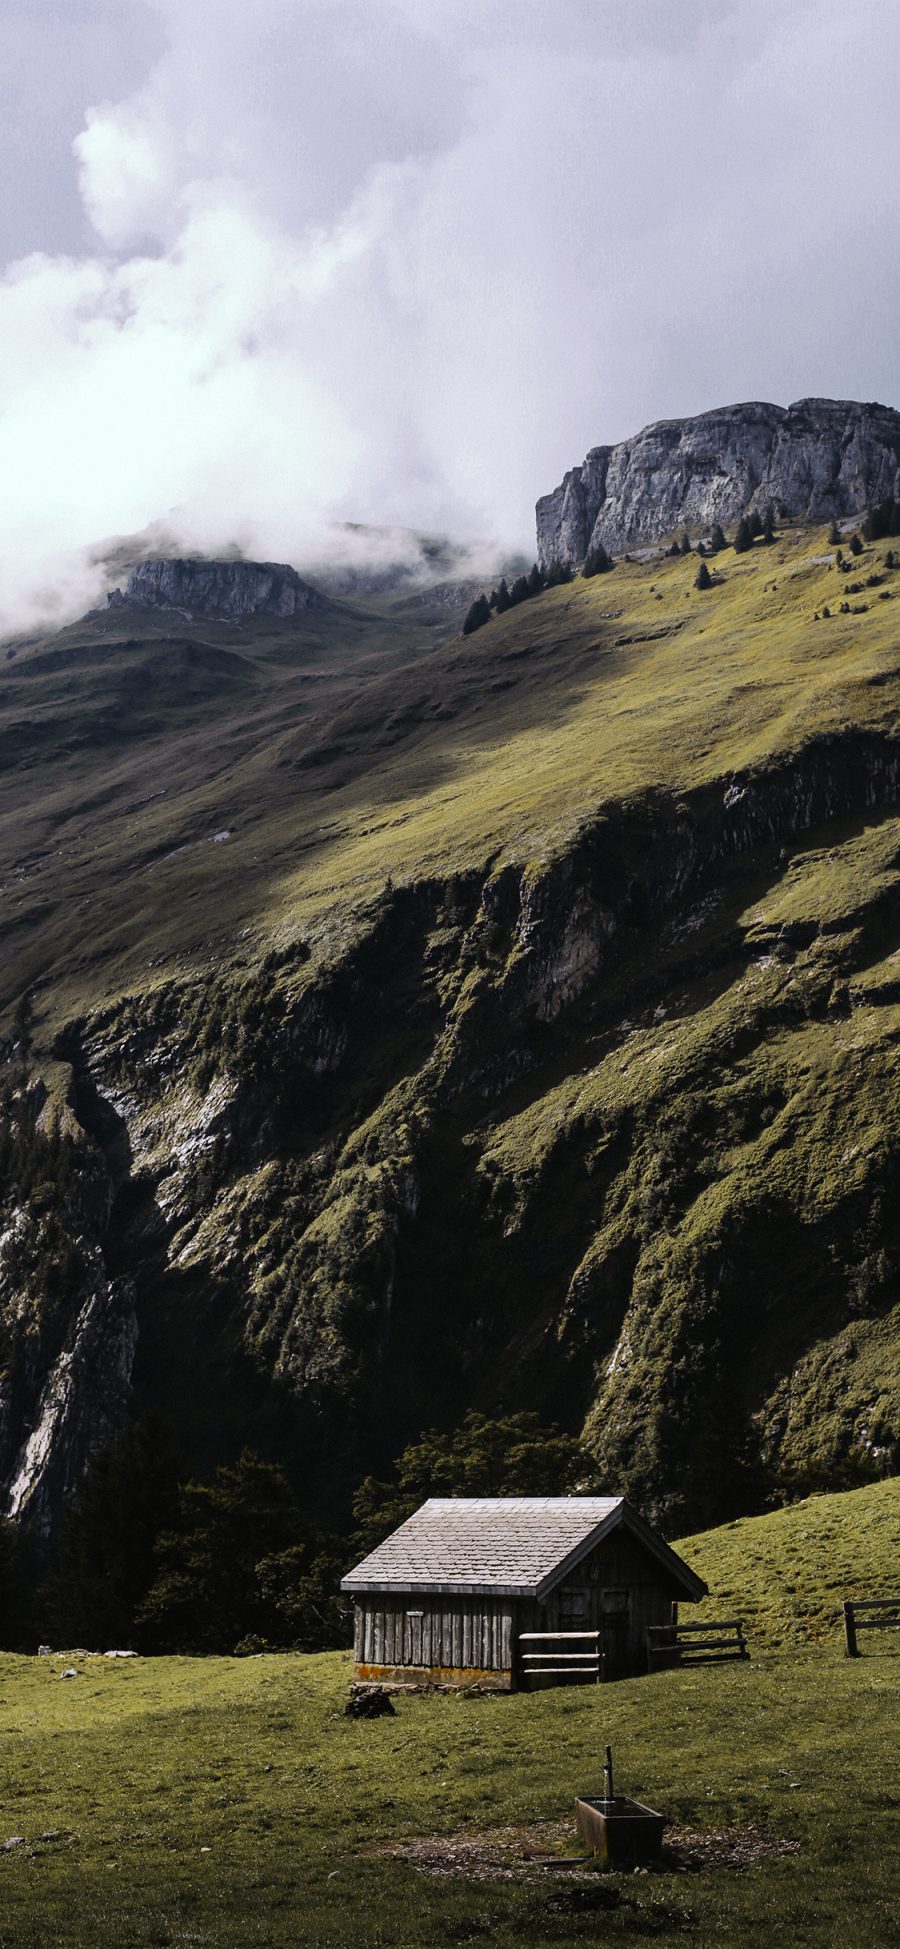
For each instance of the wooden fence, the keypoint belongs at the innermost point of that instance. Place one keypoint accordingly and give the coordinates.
(682, 1644)
(548, 1661)
(852, 1623)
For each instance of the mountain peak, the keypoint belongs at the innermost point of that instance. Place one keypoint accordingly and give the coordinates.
(217, 588)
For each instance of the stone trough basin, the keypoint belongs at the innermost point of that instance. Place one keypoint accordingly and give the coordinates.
(620, 1832)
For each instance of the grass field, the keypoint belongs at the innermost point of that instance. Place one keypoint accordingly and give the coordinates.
(231, 1803)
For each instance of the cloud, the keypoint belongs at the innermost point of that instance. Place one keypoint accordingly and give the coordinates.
(402, 261)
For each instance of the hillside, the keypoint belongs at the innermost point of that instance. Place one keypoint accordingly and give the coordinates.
(399, 1022)
(231, 1801)
(787, 1574)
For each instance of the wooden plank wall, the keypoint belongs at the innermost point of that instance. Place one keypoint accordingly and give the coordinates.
(432, 1632)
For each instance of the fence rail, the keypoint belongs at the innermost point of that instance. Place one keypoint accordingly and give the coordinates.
(566, 1663)
(681, 1644)
(853, 1623)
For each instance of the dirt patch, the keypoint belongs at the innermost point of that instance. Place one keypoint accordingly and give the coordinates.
(550, 1851)
(735, 1847)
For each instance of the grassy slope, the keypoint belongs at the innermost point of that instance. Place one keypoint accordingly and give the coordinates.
(229, 1802)
(367, 743)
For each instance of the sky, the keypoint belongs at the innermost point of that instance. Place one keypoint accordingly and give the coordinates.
(268, 268)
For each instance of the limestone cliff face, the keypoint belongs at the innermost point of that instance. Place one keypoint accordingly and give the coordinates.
(218, 588)
(816, 459)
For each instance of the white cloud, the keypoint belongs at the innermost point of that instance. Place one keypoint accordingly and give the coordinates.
(404, 260)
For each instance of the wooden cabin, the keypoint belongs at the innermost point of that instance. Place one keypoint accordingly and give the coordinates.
(508, 1591)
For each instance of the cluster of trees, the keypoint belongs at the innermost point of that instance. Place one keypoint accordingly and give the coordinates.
(754, 527)
(597, 561)
(504, 597)
(751, 527)
(882, 520)
(516, 1456)
(229, 1565)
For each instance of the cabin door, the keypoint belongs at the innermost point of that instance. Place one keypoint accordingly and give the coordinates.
(615, 1624)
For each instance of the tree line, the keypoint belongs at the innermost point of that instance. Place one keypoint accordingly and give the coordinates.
(147, 1561)
(751, 527)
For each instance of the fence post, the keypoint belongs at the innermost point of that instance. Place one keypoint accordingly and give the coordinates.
(850, 1631)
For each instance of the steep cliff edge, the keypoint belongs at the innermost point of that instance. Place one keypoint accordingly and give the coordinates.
(204, 588)
(816, 459)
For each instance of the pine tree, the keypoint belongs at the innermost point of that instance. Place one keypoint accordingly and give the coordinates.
(768, 533)
(856, 547)
(717, 539)
(703, 579)
(519, 592)
(503, 597)
(597, 561)
(535, 581)
(834, 535)
(477, 615)
(754, 524)
(684, 546)
(743, 538)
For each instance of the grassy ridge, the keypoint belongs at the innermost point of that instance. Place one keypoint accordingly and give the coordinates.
(230, 1802)
(366, 744)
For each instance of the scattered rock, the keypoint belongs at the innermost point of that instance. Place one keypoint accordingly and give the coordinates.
(70, 1672)
(15, 1840)
(371, 1703)
(120, 1654)
(44, 1651)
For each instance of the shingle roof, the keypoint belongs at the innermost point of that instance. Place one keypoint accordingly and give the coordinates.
(513, 1546)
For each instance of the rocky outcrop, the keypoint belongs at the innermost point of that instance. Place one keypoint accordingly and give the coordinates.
(204, 588)
(817, 459)
(83, 1406)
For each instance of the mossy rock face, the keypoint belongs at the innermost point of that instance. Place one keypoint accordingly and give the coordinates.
(517, 1029)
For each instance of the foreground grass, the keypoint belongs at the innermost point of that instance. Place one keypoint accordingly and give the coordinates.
(140, 1770)
(231, 1802)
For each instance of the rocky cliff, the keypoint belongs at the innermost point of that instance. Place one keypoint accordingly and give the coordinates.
(517, 1027)
(816, 459)
(203, 588)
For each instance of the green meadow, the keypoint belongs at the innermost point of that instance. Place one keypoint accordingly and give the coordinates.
(231, 1802)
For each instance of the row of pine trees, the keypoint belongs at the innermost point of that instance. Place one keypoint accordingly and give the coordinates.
(752, 528)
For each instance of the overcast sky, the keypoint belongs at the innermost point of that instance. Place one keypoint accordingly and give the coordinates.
(270, 266)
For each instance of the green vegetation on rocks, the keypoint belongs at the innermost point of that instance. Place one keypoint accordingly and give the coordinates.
(428, 1023)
